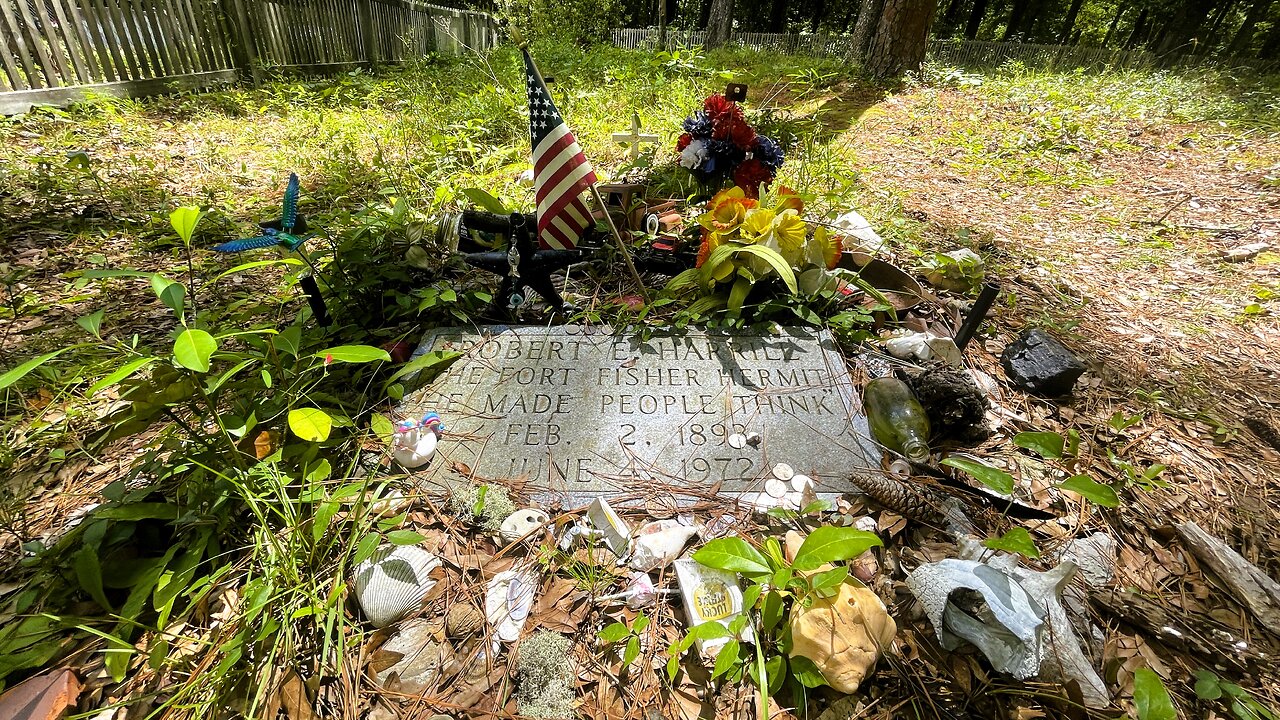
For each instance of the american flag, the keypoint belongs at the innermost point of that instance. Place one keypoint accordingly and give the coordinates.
(560, 170)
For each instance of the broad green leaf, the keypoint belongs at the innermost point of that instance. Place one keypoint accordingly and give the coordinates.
(288, 341)
(751, 595)
(830, 578)
(310, 424)
(184, 221)
(222, 380)
(1017, 540)
(632, 652)
(614, 632)
(354, 354)
(92, 323)
(804, 670)
(830, 544)
(319, 472)
(171, 293)
(120, 373)
(708, 631)
(382, 427)
(771, 610)
(89, 575)
(320, 523)
(485, 200)
(138, 511)
(420, 363)
(404, 537)
(257, 264)
(1048, 445)
(1092, 490)
(732, 553)
(994, 478)
(685, 279)
(640, 623)
(25, 368)
(1207, 685)
(726, 659)
(775, 260)
(193, 348)
(776, 670)
(1151, 698)
(365, 548)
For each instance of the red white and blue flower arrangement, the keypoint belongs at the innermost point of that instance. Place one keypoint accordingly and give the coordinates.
(719, 146)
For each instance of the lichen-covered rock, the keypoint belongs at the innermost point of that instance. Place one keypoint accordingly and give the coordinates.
(843, 635)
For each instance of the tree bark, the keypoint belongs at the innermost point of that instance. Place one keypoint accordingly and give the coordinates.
(778, 16)
(1244, 36)
(719, 24)
(704, 13)
(662, 24)
(975, 19)
(1220, 16)
(902, 37)
(1139, 25)
(1069, 24)
(819, 14)
(864, 30)
(1115, 22)
(1182, 27)
(952, 15)
(1016, 14)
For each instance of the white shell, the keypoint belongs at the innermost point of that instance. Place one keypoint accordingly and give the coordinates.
(908, 347)
(737, 441)
(413, 448)
(783, 472)
(521, 523)
(508, 601)
(655, 545)
(422, 658)
(392, 582)
(775, 488)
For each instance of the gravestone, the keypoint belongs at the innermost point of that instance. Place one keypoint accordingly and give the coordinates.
(581, 411)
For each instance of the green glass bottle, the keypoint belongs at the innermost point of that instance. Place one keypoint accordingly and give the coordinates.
(897, 420)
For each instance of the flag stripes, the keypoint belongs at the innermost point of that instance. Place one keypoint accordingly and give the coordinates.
(560, 171)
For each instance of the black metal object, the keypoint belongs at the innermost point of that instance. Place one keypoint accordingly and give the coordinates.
(976, 314)
(737, 92)
(315, 299)
(521, 264)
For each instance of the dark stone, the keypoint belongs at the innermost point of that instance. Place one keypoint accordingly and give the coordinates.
(956, 407)
(1038, 363)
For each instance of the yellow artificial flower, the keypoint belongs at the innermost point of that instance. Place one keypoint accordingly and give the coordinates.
(790, 230)
(726, 211)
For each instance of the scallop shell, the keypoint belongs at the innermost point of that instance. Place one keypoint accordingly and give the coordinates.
(521, 523)
(413, 448)
(508, 601)
(463, 620)
(392, 582)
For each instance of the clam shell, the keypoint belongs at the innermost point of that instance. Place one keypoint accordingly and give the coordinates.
(508, 601)
(392, 582)
(414, 448)
(521, 523)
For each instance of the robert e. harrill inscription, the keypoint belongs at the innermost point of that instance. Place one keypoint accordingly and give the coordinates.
(584, 411)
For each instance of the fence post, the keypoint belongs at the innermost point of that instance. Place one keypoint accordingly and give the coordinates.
(243, 51)
(364, 8)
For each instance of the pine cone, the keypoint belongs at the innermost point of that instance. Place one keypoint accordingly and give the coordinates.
(918, 503)
(463, 620)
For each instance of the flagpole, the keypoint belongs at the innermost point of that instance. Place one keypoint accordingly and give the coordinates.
(523, 45)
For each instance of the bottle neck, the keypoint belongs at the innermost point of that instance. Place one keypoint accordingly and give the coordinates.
(915, 450)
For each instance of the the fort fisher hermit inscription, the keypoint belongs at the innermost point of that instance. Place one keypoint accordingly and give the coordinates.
(584, 411)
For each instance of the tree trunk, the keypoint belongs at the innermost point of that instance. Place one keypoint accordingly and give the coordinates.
(1220, 16)
(1182, 27)
(902, 37)
(662, 24)
(1016, 14)
(1115, 22)
(1139, 25)
(704, 13)
(864, 30)
(778, 16)
(975, 19)
(1271, 47)
(1069, 24)
(819, 14)
(719, 24)
(1244, 36)
(952, 15)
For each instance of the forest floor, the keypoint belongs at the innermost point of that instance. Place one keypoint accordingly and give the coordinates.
(1101, 204)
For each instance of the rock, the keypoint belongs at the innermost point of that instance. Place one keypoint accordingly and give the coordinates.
(422, 658)
(463, 620)
(523, 523)
(955, 405)
(1039, 364)
(392, 582)
(657, 544)
(1241, 253)
(843, 635)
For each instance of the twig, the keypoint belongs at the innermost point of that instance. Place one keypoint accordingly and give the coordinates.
(1175, 206)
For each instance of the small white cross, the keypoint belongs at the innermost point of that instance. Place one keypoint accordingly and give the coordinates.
(635, 137)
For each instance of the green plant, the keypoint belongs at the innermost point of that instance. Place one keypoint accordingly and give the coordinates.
(1242, 704)
(1150, 696)
(614, 633)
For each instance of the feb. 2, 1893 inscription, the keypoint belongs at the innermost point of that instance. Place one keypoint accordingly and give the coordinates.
(586, 411)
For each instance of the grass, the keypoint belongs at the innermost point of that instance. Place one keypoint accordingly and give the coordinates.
(1037, 171)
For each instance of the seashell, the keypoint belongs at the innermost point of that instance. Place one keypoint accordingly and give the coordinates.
(655, 545)
(422, 660)
(521, 523)
(463, 620)
(392, 582)
(783, 472)
(775, 488)
(508, 601)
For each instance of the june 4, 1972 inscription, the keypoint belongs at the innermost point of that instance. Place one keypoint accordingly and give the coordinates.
(584, 411)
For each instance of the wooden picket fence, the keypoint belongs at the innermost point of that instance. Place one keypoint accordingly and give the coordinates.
(969, 54)
(59, 51)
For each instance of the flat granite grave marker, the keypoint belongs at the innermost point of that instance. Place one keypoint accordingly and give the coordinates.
(585, 412)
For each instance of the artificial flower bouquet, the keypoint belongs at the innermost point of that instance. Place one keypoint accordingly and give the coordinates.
(719, 146)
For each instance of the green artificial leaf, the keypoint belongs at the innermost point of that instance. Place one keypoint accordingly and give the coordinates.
(1150, 696)
(1092, 490)
(1047, 445)
(831, 544)
(734, 554)
(994, 478)
(92, 323)
(119, 374)
(632, 652)
(404, 537)
(726, 659)
(22, 370)
(310, 424)
(1207, 685)
(193, 349)
(184, 221)
(614, 632)
(354, 354)
(1017, 540)
(804, 670)
(171, 293)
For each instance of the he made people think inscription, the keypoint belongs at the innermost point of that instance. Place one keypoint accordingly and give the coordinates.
(584, 411)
